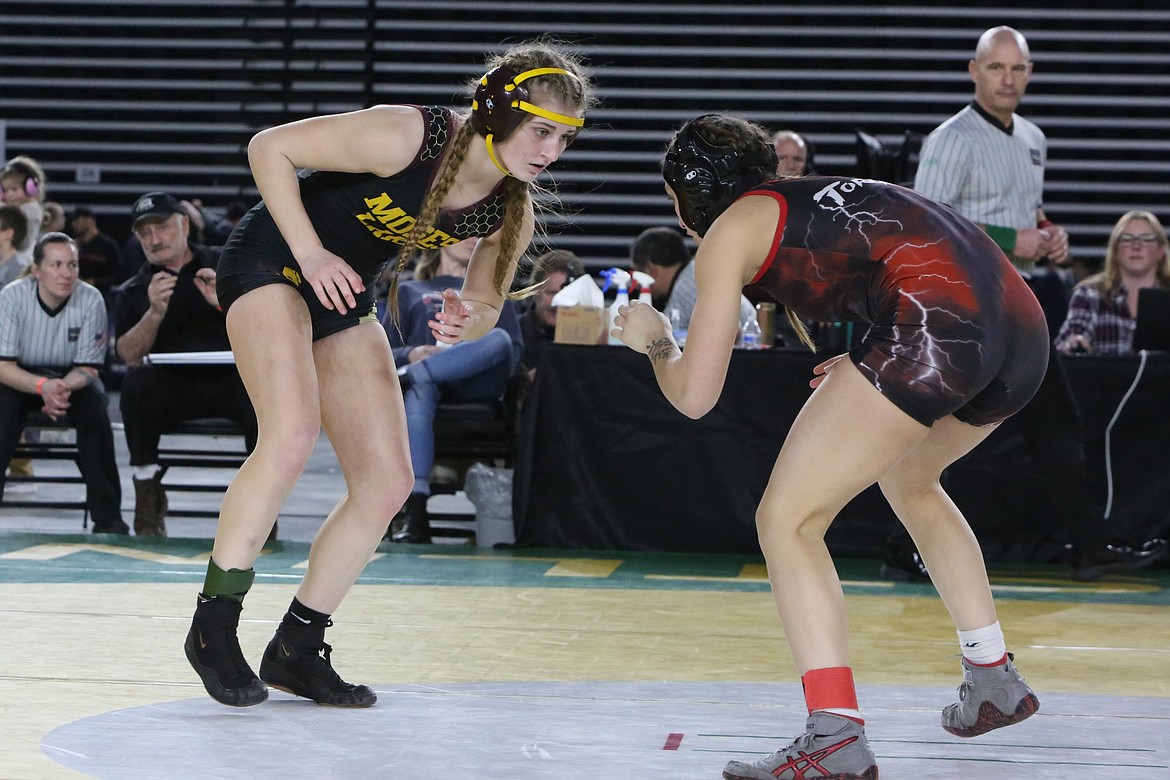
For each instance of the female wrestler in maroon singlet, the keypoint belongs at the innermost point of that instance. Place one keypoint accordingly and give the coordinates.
(296, 280)
(956, 343)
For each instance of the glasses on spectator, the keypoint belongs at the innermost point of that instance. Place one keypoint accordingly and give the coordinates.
(1130, 238)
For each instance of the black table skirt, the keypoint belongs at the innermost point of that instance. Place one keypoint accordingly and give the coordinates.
(606, 463)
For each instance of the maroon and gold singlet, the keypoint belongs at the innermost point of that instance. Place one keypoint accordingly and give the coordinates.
(362, 218)
(954, 328)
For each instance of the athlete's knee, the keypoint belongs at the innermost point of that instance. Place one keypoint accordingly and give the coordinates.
(288, 446)
(908, 483)
(381, 496)
(779, 528)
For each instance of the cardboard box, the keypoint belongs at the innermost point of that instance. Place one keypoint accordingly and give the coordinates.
(580, 325)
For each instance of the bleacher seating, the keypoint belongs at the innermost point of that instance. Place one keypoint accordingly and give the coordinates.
(118, 97)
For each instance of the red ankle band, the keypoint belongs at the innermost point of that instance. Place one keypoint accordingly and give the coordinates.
(828, 689)
(1000, 662)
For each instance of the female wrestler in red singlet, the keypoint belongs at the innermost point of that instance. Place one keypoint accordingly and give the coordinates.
(956, 343)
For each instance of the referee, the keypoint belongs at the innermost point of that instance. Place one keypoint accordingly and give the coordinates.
(987, 162)
(52, 343)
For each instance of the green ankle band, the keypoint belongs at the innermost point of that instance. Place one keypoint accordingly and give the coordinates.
(231, 584)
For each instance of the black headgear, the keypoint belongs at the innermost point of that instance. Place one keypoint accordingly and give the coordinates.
(706, 179)
(501, 101)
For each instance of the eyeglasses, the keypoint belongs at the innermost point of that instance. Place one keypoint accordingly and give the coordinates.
(1145, 238)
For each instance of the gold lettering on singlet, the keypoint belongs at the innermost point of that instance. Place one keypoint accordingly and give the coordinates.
(390, 223)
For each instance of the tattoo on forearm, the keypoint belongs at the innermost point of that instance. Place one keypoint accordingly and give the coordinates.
(659, 349)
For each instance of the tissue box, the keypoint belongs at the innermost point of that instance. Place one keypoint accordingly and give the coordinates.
(580, 325)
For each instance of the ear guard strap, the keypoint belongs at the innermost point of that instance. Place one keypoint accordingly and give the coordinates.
(523, 105)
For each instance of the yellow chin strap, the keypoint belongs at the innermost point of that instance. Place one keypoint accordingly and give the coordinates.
(524, 105)
(492, 154)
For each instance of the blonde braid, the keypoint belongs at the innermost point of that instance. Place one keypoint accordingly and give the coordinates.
(516, 194)
(430, 208)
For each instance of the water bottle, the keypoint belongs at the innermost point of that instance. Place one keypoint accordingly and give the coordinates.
(752, 335)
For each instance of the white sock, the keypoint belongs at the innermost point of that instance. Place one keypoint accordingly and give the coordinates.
(983, 645)
(146, 472)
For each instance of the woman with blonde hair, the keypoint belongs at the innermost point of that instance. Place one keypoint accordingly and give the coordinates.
(1103, 309)
(296, 280)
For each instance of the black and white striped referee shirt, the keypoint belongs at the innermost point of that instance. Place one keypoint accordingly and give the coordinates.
(33, 336)
(989, 175)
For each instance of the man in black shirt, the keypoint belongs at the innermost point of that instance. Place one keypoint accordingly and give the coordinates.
(170, 305)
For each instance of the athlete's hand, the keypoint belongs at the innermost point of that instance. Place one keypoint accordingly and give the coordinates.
(641, 327)
(332, 279)
(821, 371)
(449, 322)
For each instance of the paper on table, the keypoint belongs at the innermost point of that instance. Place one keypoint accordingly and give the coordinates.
(583, 291)
(221, 357)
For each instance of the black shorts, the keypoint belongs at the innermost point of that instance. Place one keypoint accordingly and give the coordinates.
(256, 255)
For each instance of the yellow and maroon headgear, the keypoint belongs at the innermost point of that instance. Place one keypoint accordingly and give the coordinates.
(501, 102)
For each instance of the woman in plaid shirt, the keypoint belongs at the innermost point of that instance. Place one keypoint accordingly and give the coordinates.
(1102, 311)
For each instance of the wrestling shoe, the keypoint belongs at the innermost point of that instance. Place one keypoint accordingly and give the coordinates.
(990, 697)
(832, 748)
(214, 652)
(300, 665)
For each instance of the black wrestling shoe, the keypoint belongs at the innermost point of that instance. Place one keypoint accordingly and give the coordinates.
(1115, 559)
(412, 524)
(904, 564)
(300, 665)
(214, 653)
